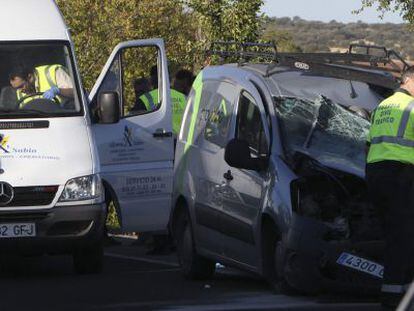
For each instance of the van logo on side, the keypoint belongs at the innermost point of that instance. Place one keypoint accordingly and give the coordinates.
(3, 143)
(6, 193)
(128, 136)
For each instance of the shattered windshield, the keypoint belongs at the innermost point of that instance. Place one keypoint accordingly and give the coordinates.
(324, 130)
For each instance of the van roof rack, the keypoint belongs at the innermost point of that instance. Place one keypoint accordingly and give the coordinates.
(371, 57)
(394, 58)
(352, 65)
(360, 62)
(243, 51)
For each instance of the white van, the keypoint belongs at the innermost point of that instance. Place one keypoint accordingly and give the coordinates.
(65, 157)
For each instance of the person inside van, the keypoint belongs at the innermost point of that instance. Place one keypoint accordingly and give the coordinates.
(183, 81)
(150, 98)
(52, 81)
(141, 86)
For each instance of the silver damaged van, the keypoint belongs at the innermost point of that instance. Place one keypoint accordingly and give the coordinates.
(269, 172)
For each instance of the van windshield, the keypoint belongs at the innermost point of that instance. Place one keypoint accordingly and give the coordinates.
(324, 130)
(37, 80)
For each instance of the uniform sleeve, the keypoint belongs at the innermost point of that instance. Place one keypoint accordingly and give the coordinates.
(63, 80)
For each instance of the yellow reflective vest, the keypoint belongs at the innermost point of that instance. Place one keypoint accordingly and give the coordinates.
(178, 100)
(45, 78)
(391, 135)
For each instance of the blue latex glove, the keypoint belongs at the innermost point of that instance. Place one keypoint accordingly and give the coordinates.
(50, 94)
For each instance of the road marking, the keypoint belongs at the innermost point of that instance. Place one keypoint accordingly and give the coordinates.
(141, 259)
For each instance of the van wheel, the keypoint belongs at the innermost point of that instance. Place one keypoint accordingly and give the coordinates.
(88, 260)
(193, 266)
(279, 282)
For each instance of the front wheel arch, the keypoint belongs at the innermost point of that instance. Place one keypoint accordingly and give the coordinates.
(110, 195)
(180, 208)
(269, 237)
(272, 261)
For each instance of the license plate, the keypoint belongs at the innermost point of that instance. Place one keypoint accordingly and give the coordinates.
(17, 230)
(361, 264)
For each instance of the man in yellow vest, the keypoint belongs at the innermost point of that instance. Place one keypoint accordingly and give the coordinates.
(161, 244)
(51, 80)
(390, 179)
(178, 100)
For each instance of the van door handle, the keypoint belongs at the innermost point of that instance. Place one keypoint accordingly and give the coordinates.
(228, 176)
(161, 133)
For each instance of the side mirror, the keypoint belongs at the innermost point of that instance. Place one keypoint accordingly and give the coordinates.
(237, 154)
(108, 110)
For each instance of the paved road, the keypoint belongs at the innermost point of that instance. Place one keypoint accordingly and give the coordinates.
(133, 281)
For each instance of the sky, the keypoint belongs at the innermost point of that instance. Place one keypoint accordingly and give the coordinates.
(326, 10)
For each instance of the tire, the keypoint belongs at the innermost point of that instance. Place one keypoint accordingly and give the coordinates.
(279, 282)
(193, 266)
(88, 260)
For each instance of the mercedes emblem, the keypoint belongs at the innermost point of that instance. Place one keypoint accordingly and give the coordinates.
(6, 193)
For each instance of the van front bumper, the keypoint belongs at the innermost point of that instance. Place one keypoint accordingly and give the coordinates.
(308, 260)
(59, 230)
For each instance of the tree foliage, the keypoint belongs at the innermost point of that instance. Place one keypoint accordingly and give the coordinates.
(405, 7)
(98, 26)
(227, 20)
(283, 39)
(187, 26)
(316, 36)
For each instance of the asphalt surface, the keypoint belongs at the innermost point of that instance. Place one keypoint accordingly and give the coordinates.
(132, 280)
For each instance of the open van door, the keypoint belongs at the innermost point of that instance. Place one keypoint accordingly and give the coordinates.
(136, 147)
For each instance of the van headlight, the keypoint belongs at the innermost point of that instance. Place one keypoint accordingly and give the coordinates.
(82, 188)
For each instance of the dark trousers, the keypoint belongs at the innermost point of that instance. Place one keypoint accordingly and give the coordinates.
(391, 189)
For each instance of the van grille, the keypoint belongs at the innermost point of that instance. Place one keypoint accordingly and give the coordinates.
(33, 196)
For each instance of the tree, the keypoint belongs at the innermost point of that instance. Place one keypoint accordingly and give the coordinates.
(225, 20)
(283, 39)
(405, 7)
(97, 26)
(229, 20)
(187, 26)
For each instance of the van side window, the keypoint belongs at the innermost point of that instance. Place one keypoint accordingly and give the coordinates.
(218, 122)
(188, 114)
(141, 85)
(203, 113)
(250, 126)
(202, 110)
(111, 82)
